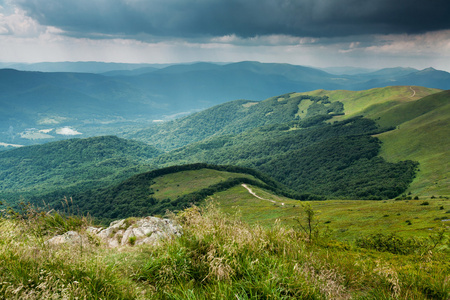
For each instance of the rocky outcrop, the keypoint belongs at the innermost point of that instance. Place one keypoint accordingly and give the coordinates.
(132, 231)
(147, 230)
(70, 237)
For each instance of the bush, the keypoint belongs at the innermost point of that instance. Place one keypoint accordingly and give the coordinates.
(425, 203)
(391, 243)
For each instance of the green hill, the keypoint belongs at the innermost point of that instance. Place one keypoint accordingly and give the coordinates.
(235, 117)
(420, 117)
(422, 135)
(173, 188)
(232, 141)
(374, 100)
(337, 160)
(73, 165)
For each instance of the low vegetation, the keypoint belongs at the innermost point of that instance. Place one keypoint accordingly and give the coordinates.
(347, 220)
(217, 257)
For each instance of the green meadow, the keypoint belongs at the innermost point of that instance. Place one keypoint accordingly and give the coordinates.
(185, 182)
(347, 219)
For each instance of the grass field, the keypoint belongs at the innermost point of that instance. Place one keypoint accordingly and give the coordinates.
(348, 219)
(357, 101)
(181, 183)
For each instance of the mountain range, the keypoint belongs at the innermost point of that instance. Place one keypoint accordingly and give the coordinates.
(39, 107)
(371, 144)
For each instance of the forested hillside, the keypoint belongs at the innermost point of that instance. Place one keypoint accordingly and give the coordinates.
(313, 144)
(73, 165)
(170, 189)
(338, 160)
(235, 117)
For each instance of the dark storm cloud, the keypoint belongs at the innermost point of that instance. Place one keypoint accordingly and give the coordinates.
(244, 18)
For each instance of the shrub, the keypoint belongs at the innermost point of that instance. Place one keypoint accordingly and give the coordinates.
(390, 243)
(425, 203)
(132, 240)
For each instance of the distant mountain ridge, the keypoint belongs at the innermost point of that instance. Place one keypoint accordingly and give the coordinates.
(79, 67)
(136, 95)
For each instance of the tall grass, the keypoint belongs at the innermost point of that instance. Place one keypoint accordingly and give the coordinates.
(217, 257)
(30, 268)
(221, 257)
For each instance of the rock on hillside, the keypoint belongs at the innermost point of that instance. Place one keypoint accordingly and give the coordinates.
(148, 230)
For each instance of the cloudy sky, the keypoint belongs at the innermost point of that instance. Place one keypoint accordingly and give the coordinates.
(321, 33)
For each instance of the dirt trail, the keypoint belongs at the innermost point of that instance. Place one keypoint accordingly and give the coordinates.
(253, 193)
(414, 92)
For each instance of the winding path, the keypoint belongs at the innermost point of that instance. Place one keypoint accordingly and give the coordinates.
(414, 92)
(254, 194)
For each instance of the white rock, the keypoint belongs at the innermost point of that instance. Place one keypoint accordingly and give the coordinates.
(72, 237)
(148, 230)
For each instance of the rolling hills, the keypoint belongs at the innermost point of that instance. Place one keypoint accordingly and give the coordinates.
(35, 105)
(333, 144)
(246, 235)
(65, 167)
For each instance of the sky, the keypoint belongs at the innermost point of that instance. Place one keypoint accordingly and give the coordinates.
(319, 33)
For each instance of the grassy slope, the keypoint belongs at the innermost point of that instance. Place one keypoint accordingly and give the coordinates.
(347, 218)
(422, 130)
(424, 138)
(357, 101)
(185, 182)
